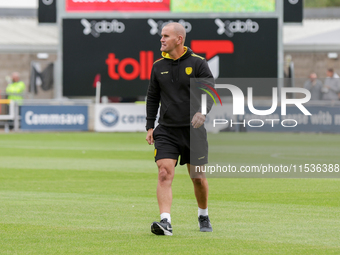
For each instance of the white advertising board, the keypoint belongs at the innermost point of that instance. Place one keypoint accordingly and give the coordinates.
(125, 117)
(120, 117)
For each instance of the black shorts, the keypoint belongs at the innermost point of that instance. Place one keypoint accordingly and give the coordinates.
(188, 142)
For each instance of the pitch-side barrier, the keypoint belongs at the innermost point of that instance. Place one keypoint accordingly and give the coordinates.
(324, 118)
(47, 114)
(83, 114)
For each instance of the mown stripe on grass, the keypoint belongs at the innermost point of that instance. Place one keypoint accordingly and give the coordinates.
(277, 223)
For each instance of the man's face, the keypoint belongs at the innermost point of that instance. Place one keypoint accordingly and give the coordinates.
(313, 76)
(15, 78)
(330, 74)
(169, 39)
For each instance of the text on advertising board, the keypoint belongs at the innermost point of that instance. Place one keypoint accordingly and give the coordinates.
(122, 51)
(117, 5)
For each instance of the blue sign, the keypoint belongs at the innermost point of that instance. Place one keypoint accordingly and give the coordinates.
(325, 119)
(48, 117)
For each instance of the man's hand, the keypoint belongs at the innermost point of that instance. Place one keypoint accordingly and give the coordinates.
(149, 136)
(198, 120)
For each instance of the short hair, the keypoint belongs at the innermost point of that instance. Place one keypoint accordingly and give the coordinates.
(179, 29)
(330, 70)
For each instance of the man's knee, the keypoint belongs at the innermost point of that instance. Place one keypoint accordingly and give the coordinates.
(165, 171)
(164, 174)
(199, 181)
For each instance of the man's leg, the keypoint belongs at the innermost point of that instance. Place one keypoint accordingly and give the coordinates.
(201, 187)
(166, 172)
(201, 192)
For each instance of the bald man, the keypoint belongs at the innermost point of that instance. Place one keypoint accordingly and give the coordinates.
(170, 86)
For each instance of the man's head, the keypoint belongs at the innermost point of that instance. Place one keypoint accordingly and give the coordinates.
(173, 37)
(15, 77)
(313, 76)
(330, 72)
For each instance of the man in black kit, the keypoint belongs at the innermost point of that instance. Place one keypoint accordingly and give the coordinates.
(178, 124)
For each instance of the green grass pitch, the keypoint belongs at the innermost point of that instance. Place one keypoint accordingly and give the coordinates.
(95, 193)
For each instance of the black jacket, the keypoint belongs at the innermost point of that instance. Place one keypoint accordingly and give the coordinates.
(170, 85)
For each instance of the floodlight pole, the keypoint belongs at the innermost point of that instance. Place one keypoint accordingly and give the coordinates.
(58, 91)
(279, 12)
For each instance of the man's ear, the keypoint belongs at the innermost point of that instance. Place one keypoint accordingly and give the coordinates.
(180, 39)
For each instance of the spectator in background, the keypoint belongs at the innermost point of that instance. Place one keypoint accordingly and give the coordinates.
(16, 89)
(314, 86)
(331, 87)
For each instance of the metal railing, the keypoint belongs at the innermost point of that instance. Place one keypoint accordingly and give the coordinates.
(12, 116)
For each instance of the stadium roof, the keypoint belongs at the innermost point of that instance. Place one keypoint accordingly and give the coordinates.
(313, 35)
(26, 35)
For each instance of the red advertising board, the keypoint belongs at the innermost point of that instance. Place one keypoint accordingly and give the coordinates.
(117, 5)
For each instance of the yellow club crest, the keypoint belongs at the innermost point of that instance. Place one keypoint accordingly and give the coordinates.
(188, 70)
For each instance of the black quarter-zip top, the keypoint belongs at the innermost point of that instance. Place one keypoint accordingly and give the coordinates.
(170, 86)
